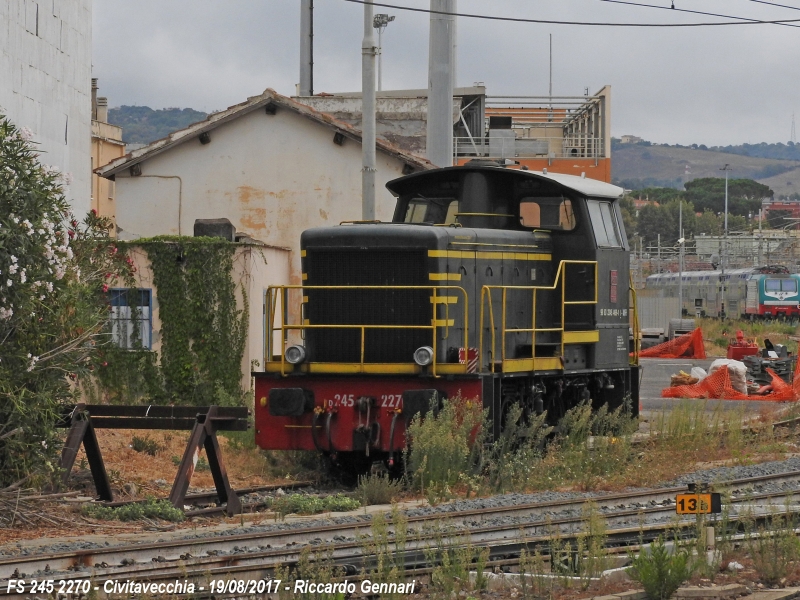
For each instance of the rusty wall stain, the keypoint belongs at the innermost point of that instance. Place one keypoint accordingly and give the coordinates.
(254, 218)
(248, 193)
(323, 214)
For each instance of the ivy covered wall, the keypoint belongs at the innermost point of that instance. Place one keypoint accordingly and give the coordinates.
(199, 324)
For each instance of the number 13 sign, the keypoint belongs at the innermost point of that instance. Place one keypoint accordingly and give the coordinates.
(694, 504)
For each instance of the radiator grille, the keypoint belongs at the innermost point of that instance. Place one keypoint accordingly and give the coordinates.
(358, 267)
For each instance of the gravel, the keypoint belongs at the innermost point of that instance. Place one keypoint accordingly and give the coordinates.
(704, 476)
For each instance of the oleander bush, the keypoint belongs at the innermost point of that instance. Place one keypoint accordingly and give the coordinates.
(54, 272)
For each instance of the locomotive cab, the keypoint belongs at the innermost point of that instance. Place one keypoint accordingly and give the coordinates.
(499, 284)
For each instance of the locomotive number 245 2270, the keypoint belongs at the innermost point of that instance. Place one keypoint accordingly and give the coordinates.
(349, 400)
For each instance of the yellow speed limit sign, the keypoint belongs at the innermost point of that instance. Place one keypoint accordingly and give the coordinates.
(695, 504)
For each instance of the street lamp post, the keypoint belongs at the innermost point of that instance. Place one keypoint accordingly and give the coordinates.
(724, 252)
(380, 22)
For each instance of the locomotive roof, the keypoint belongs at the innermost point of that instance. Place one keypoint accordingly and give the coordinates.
(582, 185)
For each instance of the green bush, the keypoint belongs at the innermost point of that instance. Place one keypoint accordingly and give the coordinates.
(145, 444)
(660, 571)
(440, 451)
(54, 275)
(774, 548)
(377, 489)
(310, 505)
(151, 509)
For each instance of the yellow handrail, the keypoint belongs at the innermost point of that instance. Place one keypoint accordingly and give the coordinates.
(486, 293)
(285, 328)
(637, 337)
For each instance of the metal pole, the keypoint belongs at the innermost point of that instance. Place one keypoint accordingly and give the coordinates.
(380, 59)
(680, 258)
(306, 47)
(368, 116)
(440, 83)
(724, 252)
(760, 217)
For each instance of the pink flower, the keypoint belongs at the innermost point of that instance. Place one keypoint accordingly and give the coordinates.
(105, 288)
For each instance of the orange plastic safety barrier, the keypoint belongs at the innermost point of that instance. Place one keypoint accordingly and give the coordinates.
(718, 386)
(689, 345)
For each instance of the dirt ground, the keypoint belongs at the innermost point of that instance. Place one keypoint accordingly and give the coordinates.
(137, 475)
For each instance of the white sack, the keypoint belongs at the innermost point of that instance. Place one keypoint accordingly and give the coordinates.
(737, 371)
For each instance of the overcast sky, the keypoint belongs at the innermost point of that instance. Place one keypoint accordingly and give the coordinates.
(711, 85)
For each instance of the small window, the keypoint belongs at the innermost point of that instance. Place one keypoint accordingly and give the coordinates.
(547, 213)
(450, 218)
(416, 211)
(789, 285)
(604, 223)
(131, 321)
(431, 210)
(772, 285)
(698, 303)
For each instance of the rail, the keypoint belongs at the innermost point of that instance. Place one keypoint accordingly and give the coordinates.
(486, 294)
(437, 298)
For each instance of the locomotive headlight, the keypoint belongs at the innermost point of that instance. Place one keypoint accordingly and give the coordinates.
(423, 356)
(295, 354)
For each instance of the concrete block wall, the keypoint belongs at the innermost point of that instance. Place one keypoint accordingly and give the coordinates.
(45, 84)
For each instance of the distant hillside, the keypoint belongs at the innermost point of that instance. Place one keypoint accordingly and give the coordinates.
(142, 124)
(635, 166)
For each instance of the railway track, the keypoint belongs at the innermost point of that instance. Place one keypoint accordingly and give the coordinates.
(505, 530)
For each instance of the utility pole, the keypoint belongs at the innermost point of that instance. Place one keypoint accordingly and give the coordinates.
(306, 48)
(724, 252)
(680, 258)
(380, 22)
(760, 239)
(441, 74)
(368, 52)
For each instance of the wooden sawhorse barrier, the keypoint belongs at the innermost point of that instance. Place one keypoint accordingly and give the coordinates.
(203, 422)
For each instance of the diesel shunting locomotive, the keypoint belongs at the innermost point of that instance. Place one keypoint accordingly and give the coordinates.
(496, 283)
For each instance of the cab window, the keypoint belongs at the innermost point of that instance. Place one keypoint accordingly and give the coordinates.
(439, 211)
(604, 223)
(772, 285)
(547, 213)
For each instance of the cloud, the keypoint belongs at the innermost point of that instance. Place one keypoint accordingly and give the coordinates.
(706, 85)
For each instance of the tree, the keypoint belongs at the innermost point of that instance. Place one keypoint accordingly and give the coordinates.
(707, 223)
(744, 195)
(628, 216)
(673, 209)
(655, 220)
(53, 309)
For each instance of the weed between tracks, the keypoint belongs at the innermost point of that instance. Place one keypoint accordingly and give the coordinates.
(592, 450)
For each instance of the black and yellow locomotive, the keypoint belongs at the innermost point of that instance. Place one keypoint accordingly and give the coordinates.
(495, 283)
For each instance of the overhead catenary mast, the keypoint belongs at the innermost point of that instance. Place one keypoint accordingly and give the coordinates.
(441, 77)
(306, 87)
(368, 52)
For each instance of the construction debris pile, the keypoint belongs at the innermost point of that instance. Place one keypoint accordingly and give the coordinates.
(768, 375)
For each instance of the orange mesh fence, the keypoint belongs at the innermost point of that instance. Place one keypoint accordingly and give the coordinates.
(718, 386)
(689, 345)
(796, 381)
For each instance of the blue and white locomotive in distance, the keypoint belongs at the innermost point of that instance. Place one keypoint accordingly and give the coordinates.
(768, 292)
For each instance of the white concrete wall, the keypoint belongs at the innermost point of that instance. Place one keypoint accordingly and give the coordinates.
(273, 176)
(45, 84)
